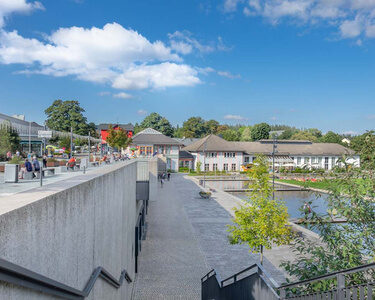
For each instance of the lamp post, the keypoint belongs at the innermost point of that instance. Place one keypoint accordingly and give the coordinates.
(204, 163)
(71, 142)
(274, 150)
(89, 146)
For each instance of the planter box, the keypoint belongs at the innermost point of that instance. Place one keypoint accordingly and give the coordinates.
(52, 164)
(11, 173)
(2, 167)
(61, 163)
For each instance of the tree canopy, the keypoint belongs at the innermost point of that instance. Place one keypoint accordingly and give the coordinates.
(118, 138)
(62, 115)
(9, 140)
(260, 131)
(157, 122)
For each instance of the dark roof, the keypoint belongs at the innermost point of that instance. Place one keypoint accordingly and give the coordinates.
(19, 121)
(105, 126)
(186, 141)
(185, 155)
(152, 137)
(211, 143)
(284, 147)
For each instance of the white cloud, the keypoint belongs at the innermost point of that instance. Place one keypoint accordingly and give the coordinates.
(185, 43)
(8, 7)
(228, 74)
(113, 54)
(231, 5)
(157, 76)
(104, 93)
(122, 95)
(142, 112)
(234, 117)
(350, 18)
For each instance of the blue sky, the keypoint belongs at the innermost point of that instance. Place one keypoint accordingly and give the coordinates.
(306, 63)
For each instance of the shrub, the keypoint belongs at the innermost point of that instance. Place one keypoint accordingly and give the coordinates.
(183, 169)
(16, 160)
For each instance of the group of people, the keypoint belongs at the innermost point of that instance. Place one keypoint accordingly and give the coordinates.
(163, 176)
(32, 166)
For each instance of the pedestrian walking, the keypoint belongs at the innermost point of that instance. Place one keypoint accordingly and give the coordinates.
(169, 175)
(161, 182)
(9, 156)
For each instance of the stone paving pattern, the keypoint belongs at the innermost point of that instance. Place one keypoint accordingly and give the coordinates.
(187, 237)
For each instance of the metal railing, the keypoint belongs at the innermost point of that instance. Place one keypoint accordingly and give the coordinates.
(250, 283)
(17, 275)
(364, 291)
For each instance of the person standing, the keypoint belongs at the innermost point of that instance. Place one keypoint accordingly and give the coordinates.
(36, 165)
(44, 161)
(169, 175)
(9, 155)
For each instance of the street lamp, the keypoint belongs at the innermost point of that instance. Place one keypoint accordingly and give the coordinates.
(204, 163)
(274, 150)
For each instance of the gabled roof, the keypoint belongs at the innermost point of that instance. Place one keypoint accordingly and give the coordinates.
(211, 143)
(151, 136)
(284, 147)
(186, 141)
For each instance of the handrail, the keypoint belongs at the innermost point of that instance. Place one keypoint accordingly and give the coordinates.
(239, 273)
(330, 275)
(15, 274)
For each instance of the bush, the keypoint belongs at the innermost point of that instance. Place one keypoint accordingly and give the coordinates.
(183, 169)
(16, 160)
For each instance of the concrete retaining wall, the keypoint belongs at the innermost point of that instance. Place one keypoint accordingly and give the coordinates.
(66, 229)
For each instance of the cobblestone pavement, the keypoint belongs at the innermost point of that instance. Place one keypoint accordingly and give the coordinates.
(171, 263)
(187, 236)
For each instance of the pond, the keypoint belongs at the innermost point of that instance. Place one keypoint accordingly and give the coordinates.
(293, 199)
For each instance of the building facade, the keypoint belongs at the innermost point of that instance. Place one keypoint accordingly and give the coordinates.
(28, 132)
(151, 142)
(216, 154)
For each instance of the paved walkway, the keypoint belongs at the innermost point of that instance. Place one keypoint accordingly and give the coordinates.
(187, 236)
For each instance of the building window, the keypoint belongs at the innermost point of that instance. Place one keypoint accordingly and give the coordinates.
(234, 154)
(247, 159)
(206, 167)
(141, 150)
(149, 151)
(333, 161)
(299, 160)
(233, 167)
(307, 160)
(214, 167)
(326, 160)
(313, 160)
(225, 167)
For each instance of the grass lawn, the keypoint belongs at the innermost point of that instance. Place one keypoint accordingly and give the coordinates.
(323, 185)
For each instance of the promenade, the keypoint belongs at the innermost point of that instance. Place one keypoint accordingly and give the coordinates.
(187, 237)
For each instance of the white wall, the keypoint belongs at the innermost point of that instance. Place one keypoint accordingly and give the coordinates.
(66, 229)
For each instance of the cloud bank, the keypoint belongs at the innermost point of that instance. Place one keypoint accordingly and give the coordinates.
(351, 18)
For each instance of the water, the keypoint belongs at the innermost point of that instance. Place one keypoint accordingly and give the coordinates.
(294, 200)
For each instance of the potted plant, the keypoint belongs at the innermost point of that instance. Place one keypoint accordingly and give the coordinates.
(205, 195)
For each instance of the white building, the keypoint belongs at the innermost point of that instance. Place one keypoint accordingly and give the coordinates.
(150, 142)
(215, 153)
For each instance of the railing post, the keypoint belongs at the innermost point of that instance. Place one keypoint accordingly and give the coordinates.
(340, 286)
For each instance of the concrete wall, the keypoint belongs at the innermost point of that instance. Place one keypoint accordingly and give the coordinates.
(66, 229)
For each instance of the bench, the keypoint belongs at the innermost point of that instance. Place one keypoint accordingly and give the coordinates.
(49, 171)
(94, 163)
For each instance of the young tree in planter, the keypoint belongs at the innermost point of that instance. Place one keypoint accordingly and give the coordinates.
(261, 222)
(118, 138)
(9, 139)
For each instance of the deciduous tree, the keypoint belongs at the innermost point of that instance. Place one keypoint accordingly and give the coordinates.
(261, 222)
(260, 131)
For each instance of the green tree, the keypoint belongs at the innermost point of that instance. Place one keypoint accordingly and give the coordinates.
(157, 122)
(9, 140)
(194, 127)
(315, 132)
(331, 137)
(64, 142)
(287, 134)
(118, 138)
(304, 135)
(231, 135)
(62, 115)
(260, 131)
(364, 145)
(261, 222)
(211, 126)
(246, 134)
(343, 245)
